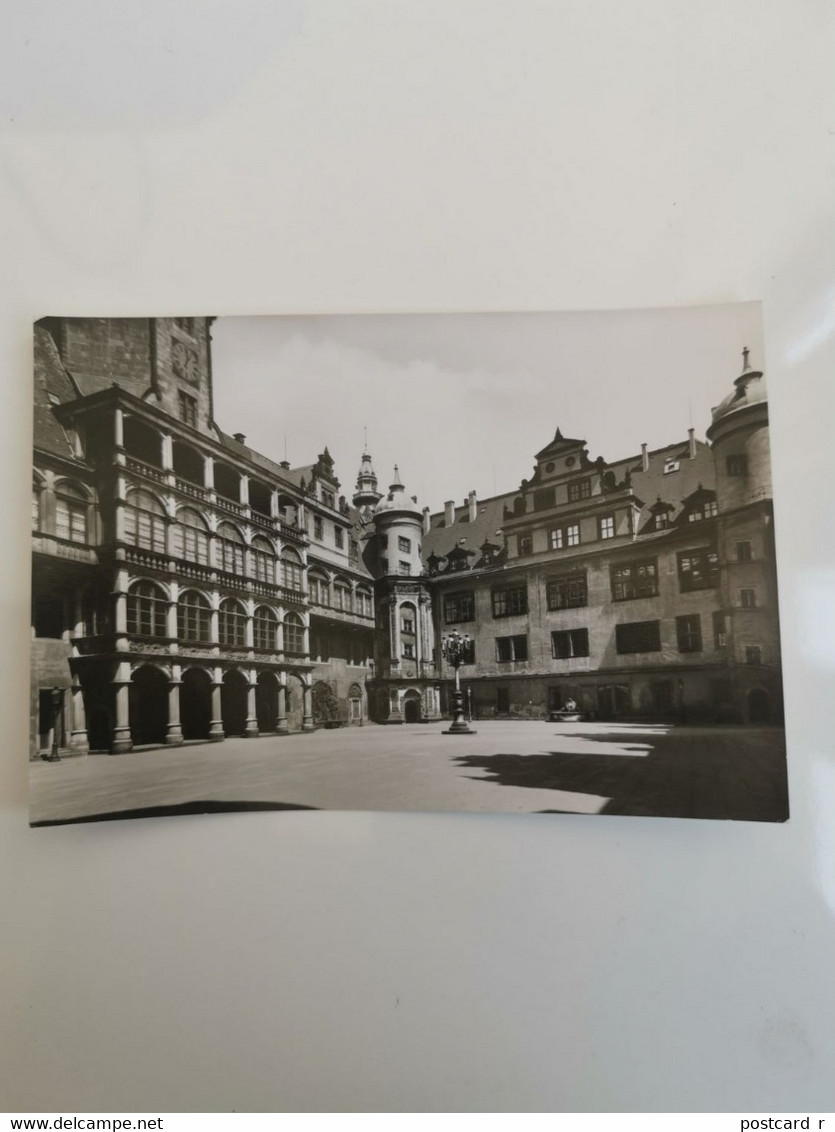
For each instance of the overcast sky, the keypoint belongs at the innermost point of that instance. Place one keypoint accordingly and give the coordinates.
(463, 402)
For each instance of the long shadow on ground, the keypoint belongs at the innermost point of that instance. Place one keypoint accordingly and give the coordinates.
(211, 807)
(739, 776)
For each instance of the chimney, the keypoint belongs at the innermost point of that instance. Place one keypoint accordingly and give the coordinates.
(449, 512)
(472, 503)
(691, 437)
(426, 521)
(240, 437)
(284, 464)
(644, 458)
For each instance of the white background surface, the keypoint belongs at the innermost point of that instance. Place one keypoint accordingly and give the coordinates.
(349, 156)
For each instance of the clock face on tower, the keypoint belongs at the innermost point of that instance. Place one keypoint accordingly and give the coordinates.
(184, 362)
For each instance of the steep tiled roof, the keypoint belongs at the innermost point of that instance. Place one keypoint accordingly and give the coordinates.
(52, 386)
(672, 487)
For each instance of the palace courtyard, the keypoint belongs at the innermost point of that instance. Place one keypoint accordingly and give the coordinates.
(508, 766)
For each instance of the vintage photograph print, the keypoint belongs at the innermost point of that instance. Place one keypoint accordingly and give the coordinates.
(516, 563)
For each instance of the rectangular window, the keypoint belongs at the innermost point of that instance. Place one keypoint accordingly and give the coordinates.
(404, 568)
(318, 528)
(570, 643)
(71, 521)
(525, 543)
(572, 535)
(188, 409)
(720, 635)
(743, 551)
(502, 699)
(409, 649)
(556, 538)
(579, 489)
(569, 591)
(748, 599)
(544, 497)
(689, 633)
(638, 636)
(607, 526)
(407, 625)
(635, 579)
(737, 464)
(459, 607)
(698, 570)
(511, 648)
(510, 600)
(404, 545)
(753, 654)
(565, 536)
(338, 537)
(328, 498)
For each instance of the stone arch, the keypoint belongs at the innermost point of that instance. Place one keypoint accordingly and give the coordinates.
(233, 702)
(196, 703)
(412, 712)
(260, 497)
(148, 704)
(355, 704)
(267, 692)
(190, 536)
(759, 706)
(295, 701)
(147, 608)
(227, 482)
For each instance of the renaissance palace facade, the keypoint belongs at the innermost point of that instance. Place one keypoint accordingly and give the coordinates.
(187, 587)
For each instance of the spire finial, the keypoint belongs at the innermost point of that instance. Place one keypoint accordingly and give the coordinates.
(364, 440)
(745, 353)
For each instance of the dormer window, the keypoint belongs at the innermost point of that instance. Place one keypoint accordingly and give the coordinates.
(704, 510)
(671, 466)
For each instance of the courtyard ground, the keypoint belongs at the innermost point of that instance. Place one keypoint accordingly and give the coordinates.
(515, 767)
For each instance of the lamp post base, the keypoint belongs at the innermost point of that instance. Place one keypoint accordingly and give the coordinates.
(459, 725)
(463, 729)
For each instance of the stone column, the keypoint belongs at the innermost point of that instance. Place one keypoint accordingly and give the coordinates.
(209, 473)
(244, 491)
(216, 732)
(307, 711)
(306, 640)
(249, 630)
(174, 733)
(78, 735)
(118, 428)
(279, 640)
(282, 727)
(251, 729)
(120, 611)
(167, 452)
(122, 741)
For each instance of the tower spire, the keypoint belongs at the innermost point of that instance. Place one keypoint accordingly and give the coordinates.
(366, 494)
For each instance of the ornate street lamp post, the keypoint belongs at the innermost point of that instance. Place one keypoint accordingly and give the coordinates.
(456, 651)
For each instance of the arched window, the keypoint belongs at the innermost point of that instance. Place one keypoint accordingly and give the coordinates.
(145, 521)
(293, 634)
(342, 595)
(193, 617)
(263, 560)
(319, 590)
(264, 626)
(230, 549)
(190, 537)
(72, 506)
(291, 571)
(232, 623)
(147, 606)
(364, 603)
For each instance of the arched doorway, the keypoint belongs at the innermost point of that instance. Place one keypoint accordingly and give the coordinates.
(355, 703)
(759, 706)
(295, 702)
(195, 704)
(266, 702)
(411, 707)
(233, 696)
(148, 705)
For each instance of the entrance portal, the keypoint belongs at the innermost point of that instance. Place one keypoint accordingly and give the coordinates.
(411, 708)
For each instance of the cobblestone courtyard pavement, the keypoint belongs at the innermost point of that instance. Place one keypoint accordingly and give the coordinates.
(508, 766)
